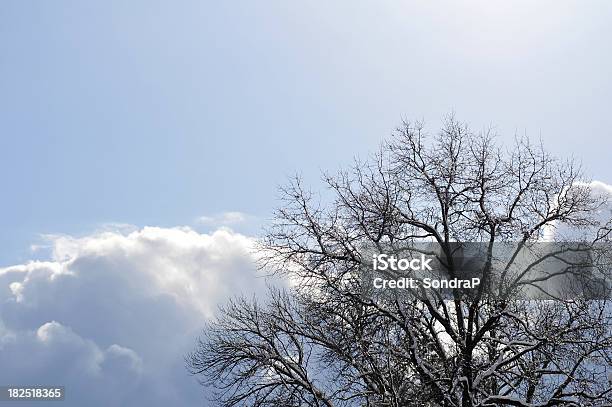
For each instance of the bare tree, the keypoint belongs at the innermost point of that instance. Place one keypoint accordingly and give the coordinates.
(332, 341)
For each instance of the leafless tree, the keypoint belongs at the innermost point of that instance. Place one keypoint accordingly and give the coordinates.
(330, 341)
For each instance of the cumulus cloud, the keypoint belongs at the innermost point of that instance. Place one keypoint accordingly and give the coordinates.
(600, 192)
(111, 315)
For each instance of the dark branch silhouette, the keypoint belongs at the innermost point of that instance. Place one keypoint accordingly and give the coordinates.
(328, 342)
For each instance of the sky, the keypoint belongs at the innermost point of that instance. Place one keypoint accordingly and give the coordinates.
(124, 125)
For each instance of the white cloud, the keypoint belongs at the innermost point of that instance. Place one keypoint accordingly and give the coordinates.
(111, 315)
(601, 192)
(224, 219)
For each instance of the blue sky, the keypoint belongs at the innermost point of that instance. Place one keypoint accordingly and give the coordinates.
(152, 113)
(160, 112)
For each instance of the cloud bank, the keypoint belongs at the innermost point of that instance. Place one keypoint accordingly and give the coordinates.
(110, 316)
